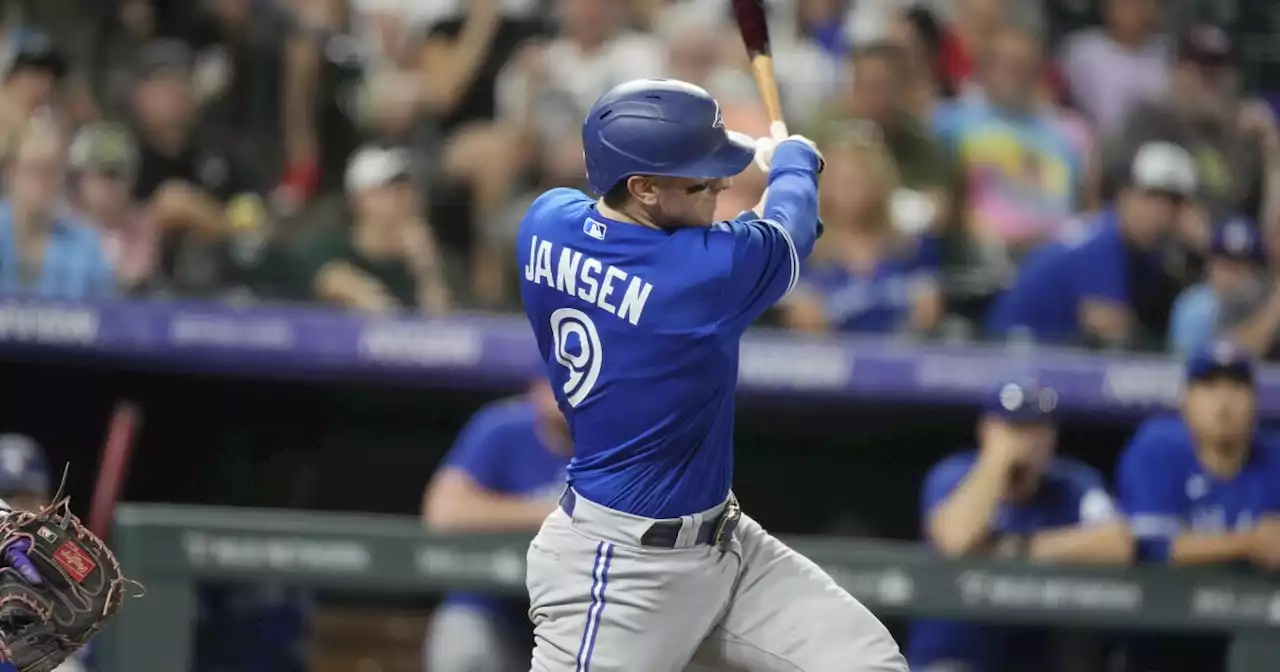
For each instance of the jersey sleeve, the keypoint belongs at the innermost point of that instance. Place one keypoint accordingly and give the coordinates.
(1148, 489)
(1093, 504)
(763, 256)
(478, 451)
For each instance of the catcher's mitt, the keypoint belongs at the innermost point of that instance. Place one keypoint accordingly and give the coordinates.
(49, 613)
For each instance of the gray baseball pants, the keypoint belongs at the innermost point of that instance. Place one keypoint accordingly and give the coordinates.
(604, 602)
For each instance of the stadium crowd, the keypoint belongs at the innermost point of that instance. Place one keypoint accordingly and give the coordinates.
(995, 169)
(1111, 186)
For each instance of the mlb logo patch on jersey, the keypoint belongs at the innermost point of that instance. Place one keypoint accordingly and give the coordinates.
(594, 229)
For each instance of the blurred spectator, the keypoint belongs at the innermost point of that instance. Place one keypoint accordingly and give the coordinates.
(43, 252)
(918, 35)
(1233, 297)
(387, 259)
(1235, 144)
(103, 162)
(1115, 67)
(32, 67)
(876, 96)
(187, 180)
(1199, 489)
(865, 275)
(546, 91)
(323, 63)
(505, 472)
(1012, 497)
(25, 486)
(1112, 286)
(1021, 175)
(480, 157)
(973, 24)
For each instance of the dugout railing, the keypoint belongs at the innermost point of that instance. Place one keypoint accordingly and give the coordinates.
(170, 549)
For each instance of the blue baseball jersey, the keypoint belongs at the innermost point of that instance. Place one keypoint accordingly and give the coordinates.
(1071, 493)
(500, 450)
(1164, 491)
(639, 329)
(1057, 276)
(877, 300)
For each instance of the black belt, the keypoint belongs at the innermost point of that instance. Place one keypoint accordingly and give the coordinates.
(665, 533)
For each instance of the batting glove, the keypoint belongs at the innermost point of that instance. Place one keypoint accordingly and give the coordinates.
(766, 146)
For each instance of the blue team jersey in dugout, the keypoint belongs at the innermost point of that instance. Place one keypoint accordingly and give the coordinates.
(501, 450)
(640, 332)
(1071, 493)
(879, 299)
(1164, 491)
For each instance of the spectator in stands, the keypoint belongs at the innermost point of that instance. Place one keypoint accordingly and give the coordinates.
(875, 95)
(918, 35)
(1233, 301)
(103, 160)
(1110, 286)
(43, 252)
(25, 486)
(33, 67)
(322, 66)
(1200, 489)
(1012, 497)
(1021, 176)
(1235, 143)
(1113, 68)
(972, 26)
(505, 472)
(460, 60)
(188, 182)
(387, 259)
(866, 275)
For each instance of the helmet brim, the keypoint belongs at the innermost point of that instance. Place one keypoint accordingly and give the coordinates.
(728, 160)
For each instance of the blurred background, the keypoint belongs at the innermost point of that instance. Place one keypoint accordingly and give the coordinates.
(1046, 181)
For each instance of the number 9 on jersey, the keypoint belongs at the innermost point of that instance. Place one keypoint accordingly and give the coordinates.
(577, 349)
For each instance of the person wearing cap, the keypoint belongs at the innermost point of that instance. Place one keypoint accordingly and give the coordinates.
(1012, 497)
(1235, 142)
(1233, 276)
(44, 251)
(387, 259)
(103, 160)
(1111, 286)
(505, 472)
(1200, 488)
(187, 180)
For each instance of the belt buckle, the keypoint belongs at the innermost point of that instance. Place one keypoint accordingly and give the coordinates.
(728, 521)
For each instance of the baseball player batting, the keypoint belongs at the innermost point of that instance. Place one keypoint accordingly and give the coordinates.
(639, 301)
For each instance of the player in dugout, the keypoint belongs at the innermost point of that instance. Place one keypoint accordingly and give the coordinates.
(1013, 497)
(1203, 487)
(25, 486)
(505, 472)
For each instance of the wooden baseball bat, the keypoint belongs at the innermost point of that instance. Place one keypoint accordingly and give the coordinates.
(750, 15)
(122, 432)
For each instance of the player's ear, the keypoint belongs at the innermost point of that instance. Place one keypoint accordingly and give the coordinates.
(643, 189)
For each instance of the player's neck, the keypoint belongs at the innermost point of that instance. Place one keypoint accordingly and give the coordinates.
(1222, 460)
(639, 219)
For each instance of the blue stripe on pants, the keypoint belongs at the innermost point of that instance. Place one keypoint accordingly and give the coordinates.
(599, 580)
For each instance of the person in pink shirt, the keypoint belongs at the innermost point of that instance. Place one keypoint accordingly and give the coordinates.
(103, 160)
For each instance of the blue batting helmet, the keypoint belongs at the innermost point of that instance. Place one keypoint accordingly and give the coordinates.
(660, 127)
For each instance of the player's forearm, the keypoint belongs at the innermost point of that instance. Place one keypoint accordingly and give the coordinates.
(1108, 544)
(486, 514)
(792, 200)
(1208, 549)
(1258, 332)
(963, 522)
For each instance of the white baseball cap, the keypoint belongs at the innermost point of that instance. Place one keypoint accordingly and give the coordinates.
(373, 166)
(1164, 166)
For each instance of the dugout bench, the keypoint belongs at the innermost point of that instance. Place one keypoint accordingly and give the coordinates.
(171, 548)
